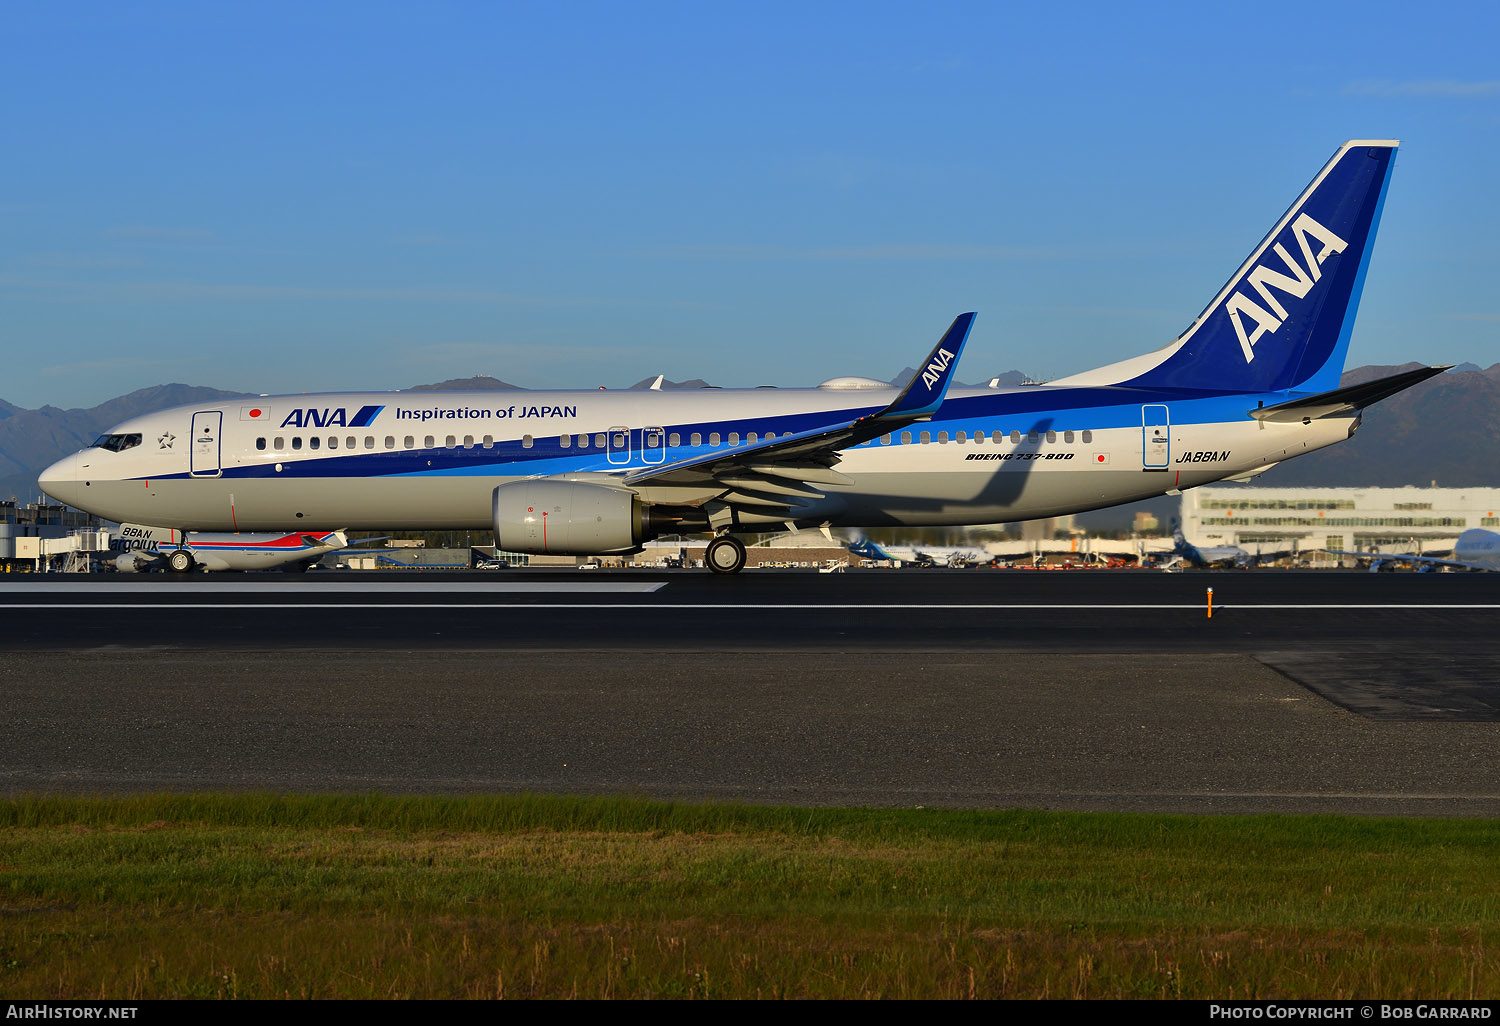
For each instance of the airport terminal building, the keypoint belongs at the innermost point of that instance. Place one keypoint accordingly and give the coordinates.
(1347, 519)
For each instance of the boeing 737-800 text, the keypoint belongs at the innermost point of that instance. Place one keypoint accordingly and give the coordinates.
(1254, 380)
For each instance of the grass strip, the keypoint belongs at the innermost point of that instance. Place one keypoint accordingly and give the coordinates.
(541, 896)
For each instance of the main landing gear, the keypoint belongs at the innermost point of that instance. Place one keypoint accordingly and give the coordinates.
(180, 561)
(725, 555)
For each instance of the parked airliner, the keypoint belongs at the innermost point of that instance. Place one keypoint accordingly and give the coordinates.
(138, 549)
(1254, 380)
(1475, 549)
(1211, 557)
(926, 555)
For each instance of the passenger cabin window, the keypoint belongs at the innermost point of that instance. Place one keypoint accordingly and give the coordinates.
(697, 438)
(998, 437)
(314, 442)
(489, 441)
(906, 438)
(369, 441)
(752, 438)
(1051, 436)
(565, 441)
(942, 438)
(1033, 437)
(526, 441)
(279, 444)
(296, 442)
(674, 439)
(428, 442)
(333, 442)
(411, 443)
(713, 438)
(390, 441)
(1067, 436)
(599, 440)
(1015, 438)
(926, 437)
(583, 441)
(468, 441)
(1088, 436)
(351, 442)
(451, 443)
(734, 438)
(260, 443)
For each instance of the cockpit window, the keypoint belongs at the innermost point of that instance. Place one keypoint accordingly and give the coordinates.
(117, 443)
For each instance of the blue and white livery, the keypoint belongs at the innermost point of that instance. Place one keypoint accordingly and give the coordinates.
(1251, 382)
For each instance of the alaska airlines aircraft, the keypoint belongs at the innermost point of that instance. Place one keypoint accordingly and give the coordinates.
(138, 549)
(1254, 380)
(925, 556)
(1210, 557)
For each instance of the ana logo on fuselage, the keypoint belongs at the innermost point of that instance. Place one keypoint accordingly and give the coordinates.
(321, 418)
(1263, 279)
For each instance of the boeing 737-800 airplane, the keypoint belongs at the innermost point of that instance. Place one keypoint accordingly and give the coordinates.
(1253, 380)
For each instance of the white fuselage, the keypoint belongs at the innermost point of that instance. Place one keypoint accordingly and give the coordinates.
(431, 460)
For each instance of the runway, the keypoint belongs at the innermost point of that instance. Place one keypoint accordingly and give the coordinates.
(1347, 692)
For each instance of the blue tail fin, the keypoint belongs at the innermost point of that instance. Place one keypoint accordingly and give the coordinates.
(867, 549)
(1284, 320)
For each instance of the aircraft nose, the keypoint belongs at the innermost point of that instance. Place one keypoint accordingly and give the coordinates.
(60, 480)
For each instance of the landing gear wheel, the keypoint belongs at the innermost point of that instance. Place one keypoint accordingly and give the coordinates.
(180, 561)
(725, 555)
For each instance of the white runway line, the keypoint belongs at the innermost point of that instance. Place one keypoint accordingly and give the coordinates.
(758, 606)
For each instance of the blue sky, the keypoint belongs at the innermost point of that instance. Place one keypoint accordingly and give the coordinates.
(286, 198)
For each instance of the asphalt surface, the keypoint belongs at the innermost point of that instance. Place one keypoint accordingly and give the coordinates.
(1326, 691)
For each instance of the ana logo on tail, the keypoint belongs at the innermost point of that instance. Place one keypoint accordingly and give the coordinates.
(1264, 279)
(933, 372)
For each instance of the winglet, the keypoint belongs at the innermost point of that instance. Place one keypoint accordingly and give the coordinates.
(924, 393)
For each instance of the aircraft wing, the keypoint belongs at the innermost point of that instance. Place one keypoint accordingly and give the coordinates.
(1377, 559)
(775, 474)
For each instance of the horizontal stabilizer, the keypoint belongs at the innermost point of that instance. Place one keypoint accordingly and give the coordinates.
(1343, 400)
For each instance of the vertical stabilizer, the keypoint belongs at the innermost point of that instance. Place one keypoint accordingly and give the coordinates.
(1284, 320)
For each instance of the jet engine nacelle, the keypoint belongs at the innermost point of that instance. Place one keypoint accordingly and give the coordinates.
(570, 518)
(137, 562)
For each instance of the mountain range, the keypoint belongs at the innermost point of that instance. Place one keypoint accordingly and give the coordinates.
(1445, 430)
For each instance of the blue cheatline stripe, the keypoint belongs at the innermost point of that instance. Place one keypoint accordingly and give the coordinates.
(1064, 409)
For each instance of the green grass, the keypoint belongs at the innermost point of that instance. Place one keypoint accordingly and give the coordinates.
(356, 896)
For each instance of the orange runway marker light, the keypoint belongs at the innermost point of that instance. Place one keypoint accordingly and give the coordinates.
(1210, 603)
